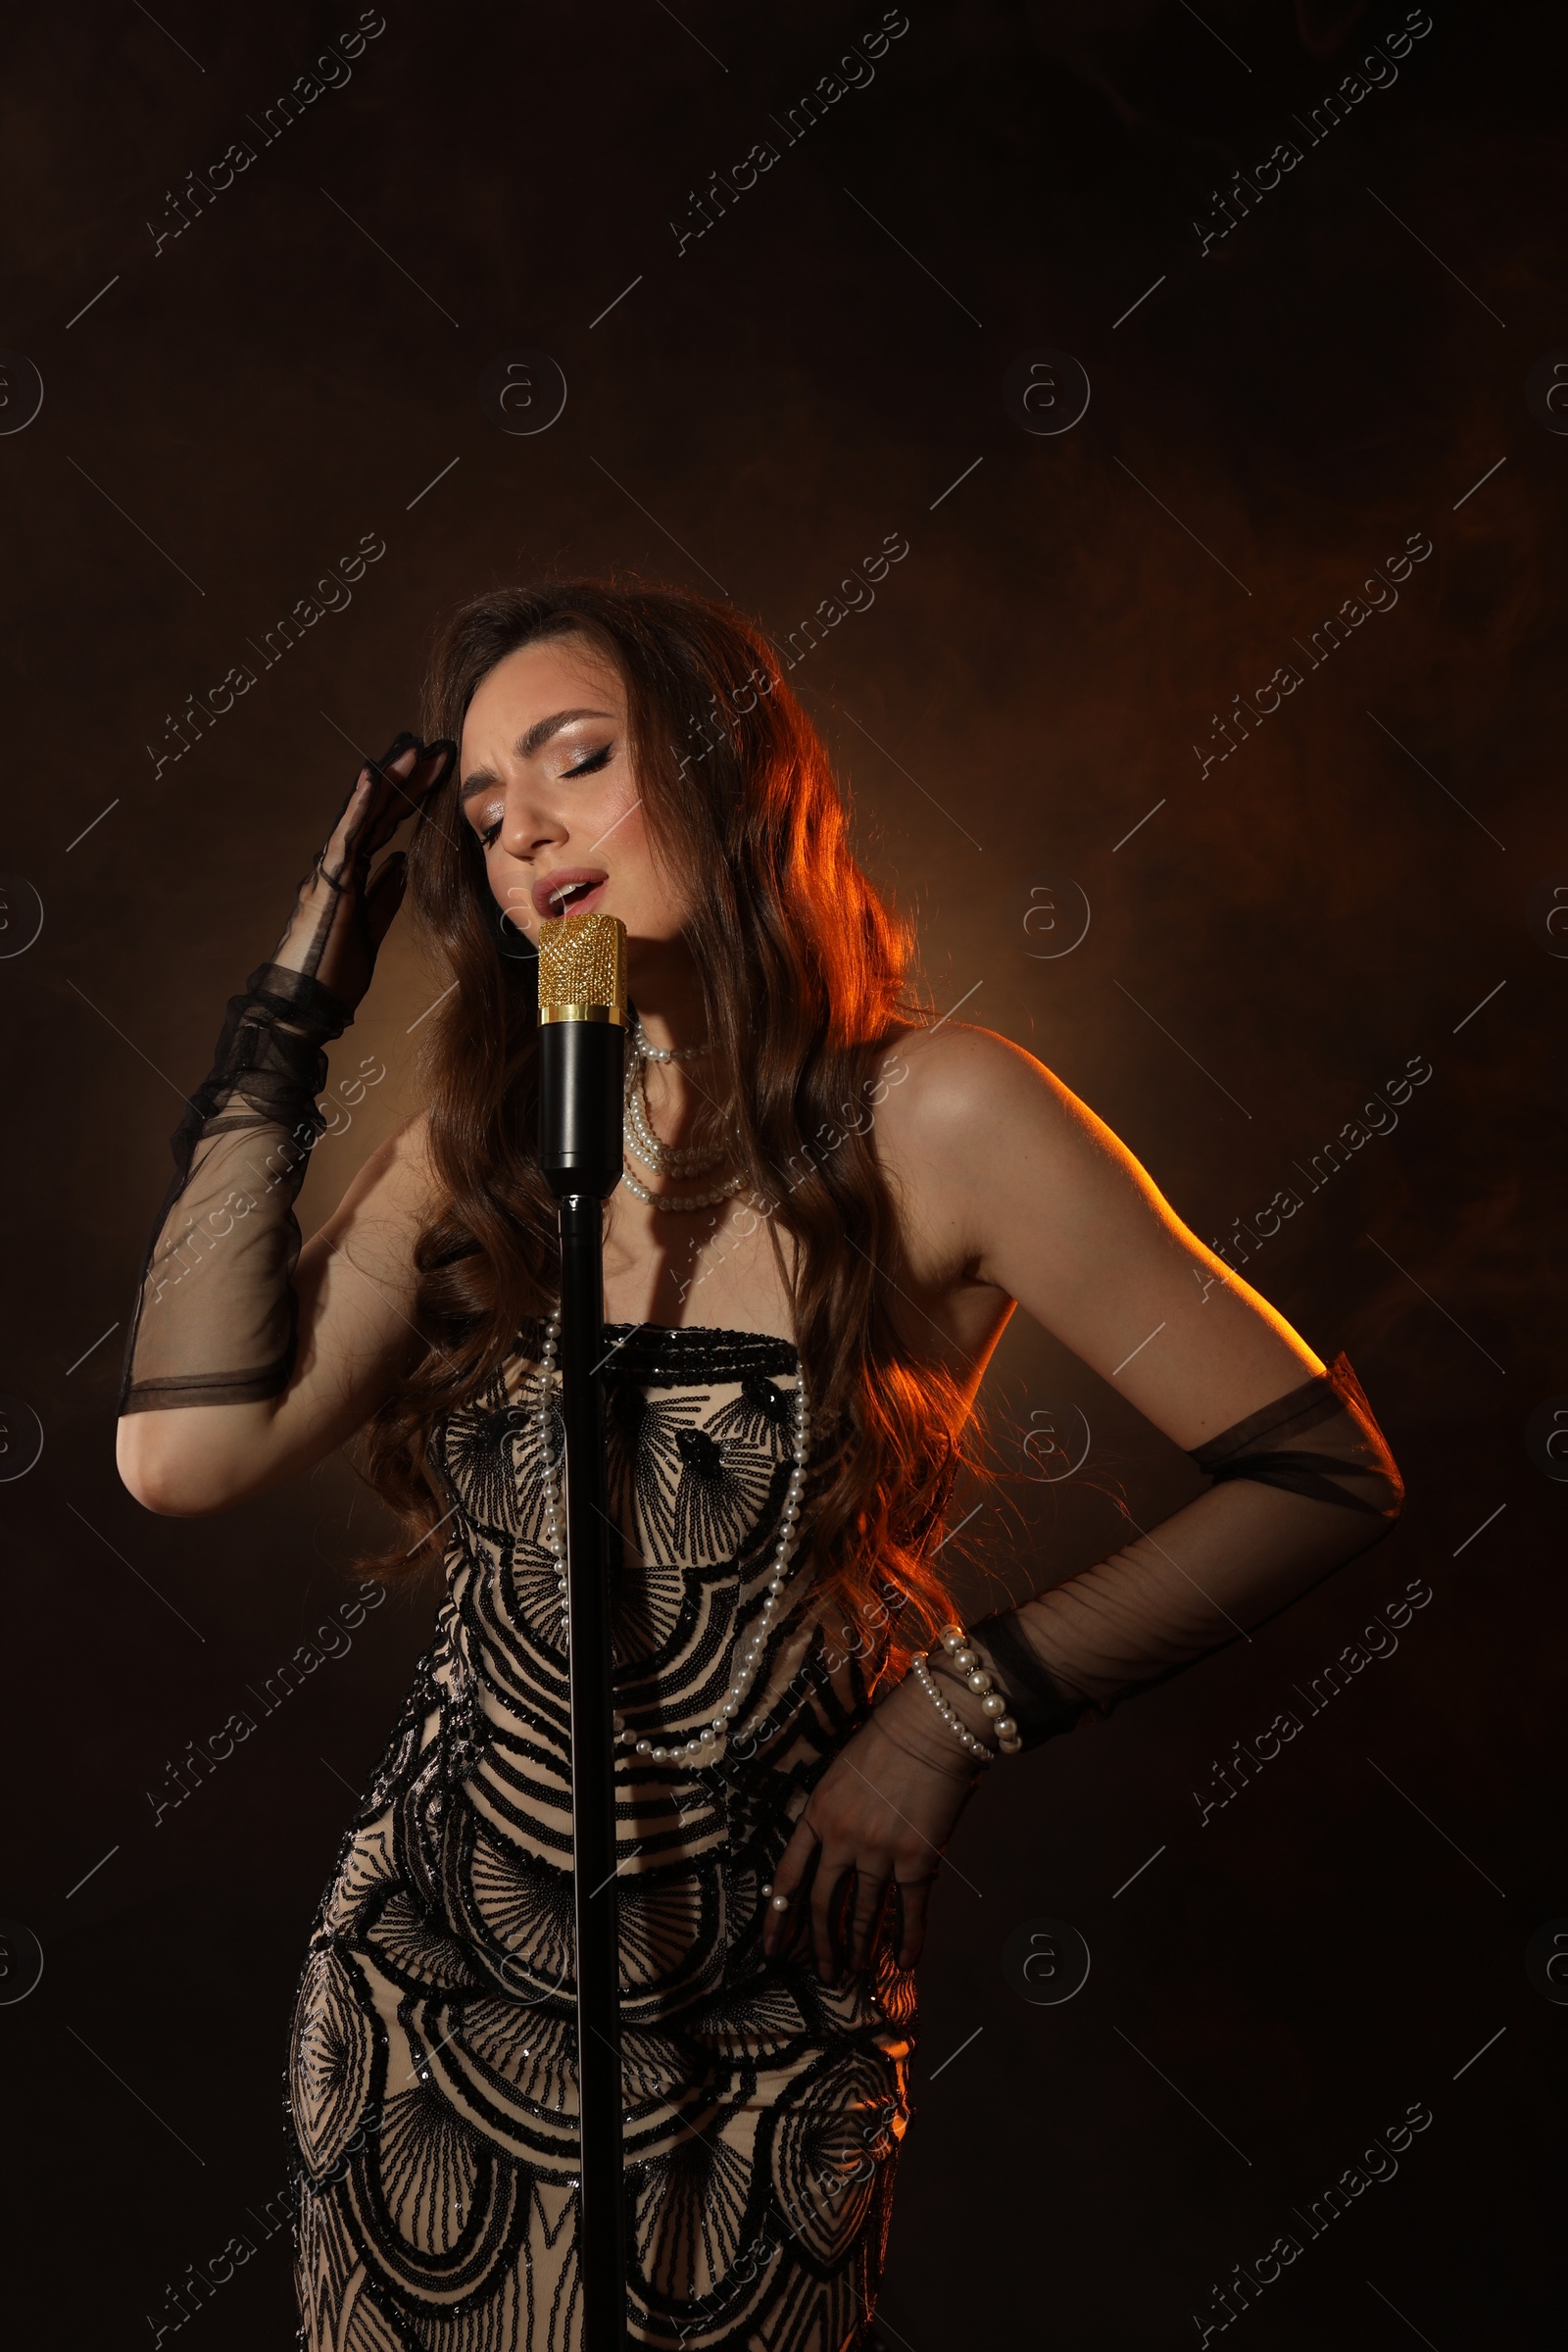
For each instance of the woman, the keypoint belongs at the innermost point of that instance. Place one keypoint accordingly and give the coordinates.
(852, 1198)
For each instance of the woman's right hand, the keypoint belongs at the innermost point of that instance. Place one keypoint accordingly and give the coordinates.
(343, 911)
(878, 1820)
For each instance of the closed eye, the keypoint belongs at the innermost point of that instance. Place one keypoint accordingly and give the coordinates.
(584, 767)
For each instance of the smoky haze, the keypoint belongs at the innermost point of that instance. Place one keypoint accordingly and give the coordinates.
(1051, 713)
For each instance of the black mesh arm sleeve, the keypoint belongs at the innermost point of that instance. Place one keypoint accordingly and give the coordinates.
(1298, 1489)
(215, 1315)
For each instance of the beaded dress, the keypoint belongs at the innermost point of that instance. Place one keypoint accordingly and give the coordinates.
(431, 2082)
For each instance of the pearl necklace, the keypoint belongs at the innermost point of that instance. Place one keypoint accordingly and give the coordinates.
(671, 1202)
(710, 1742)
(650, 1149)
(656, 1156)
(648, 1052)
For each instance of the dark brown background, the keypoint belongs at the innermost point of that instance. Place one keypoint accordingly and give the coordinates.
(229, 417)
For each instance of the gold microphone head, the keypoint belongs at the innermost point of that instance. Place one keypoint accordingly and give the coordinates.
(582, 969)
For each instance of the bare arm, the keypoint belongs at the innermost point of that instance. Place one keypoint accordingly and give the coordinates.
(1056, 1212)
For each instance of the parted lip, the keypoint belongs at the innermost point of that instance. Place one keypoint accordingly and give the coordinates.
(548, 887)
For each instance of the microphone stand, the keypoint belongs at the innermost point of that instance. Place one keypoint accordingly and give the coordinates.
(582, 1048)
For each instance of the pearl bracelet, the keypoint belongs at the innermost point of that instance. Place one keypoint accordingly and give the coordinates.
(977, 1677)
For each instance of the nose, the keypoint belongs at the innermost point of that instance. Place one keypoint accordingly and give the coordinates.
(527, 825)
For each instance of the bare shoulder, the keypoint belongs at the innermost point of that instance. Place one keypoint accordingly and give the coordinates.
(1007, 1182)
(985, 1146)
(954, 1105)
(966, 1091)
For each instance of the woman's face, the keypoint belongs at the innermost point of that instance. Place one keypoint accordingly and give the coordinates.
(545, 780)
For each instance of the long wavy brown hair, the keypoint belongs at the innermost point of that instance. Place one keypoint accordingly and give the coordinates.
(805, 969)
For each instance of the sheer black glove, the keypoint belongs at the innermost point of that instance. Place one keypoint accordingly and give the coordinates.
(1298, 1488)
(342, 911)
(215, 1313)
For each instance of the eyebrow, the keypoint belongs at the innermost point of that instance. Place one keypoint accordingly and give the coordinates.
(525, 747)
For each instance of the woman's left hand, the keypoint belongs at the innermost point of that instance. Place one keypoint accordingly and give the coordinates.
(877, 1820)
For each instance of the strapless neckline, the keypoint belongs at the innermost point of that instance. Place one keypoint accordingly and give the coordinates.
(707, 1349)
(712, 1330)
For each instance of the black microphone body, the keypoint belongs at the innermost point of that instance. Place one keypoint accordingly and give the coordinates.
(581, 1075)
(582, 1044)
